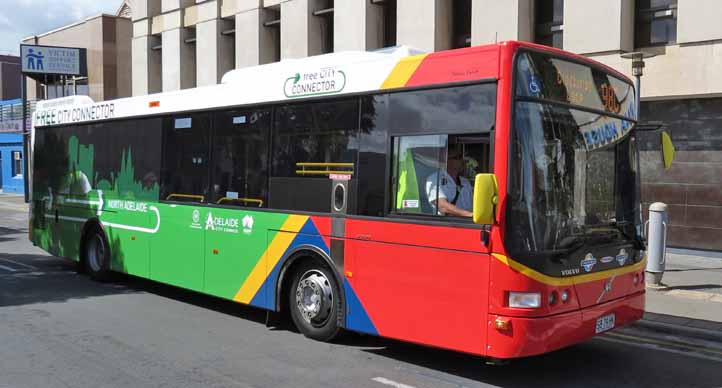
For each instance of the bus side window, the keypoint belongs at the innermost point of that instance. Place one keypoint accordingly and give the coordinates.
(239, 158)
(184, 175)
(311, 141)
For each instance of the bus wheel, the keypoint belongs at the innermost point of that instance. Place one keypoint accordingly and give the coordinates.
(314, 302)
(97, 255)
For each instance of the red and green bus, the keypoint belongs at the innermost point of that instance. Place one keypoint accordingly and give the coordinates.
(483, 199)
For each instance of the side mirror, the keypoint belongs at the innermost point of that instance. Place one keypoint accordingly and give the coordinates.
(485, 198)
(667, 150)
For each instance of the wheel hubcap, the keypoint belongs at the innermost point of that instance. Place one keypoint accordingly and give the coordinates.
(314, 297)
(96, 252)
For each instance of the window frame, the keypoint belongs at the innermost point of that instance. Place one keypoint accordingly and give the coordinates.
(646, 16)
(389, 213)
(17, 164)
(548, 29)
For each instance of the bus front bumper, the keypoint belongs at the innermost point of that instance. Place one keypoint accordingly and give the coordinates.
(531, 336)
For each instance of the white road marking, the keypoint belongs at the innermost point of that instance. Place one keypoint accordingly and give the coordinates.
(20, 264)
(392, 383)
(8, 268)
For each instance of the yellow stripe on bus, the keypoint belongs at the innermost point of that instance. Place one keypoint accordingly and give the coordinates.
(270, 258)
(403, 71)
(568, 281)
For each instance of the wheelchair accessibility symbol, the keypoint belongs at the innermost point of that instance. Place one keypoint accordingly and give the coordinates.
(534, 86)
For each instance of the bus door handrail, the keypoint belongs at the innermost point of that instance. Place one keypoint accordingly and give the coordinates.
(200, 198)
(316, 168)
(246, 200)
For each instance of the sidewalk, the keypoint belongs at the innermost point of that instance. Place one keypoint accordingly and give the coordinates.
(691, 299)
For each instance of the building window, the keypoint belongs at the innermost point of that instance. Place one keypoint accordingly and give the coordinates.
(155, 64)
(272, 23)
(656, 22)
(549, 28)
(17, 163)
(461, 23)
(325, 12)
(64, 87)
(388, 19)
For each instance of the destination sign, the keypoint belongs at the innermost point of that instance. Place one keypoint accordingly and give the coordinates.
(551, 78)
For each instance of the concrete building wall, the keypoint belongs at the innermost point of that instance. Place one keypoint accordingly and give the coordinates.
(9, 77)
(106, 39)
(496, 21)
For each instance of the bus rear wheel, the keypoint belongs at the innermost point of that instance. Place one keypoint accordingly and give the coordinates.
(97, 255)
(314, 302)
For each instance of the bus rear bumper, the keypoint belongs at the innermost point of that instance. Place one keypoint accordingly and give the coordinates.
(531, 336)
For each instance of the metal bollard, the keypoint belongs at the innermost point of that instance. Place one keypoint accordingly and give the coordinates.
(656, 227)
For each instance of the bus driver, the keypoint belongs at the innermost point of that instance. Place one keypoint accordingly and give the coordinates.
(455, 197)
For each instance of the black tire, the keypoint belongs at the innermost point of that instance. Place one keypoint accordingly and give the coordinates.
(96, 255)
(315, 305)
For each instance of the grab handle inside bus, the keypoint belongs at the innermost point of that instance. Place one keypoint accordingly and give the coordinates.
(485, 198)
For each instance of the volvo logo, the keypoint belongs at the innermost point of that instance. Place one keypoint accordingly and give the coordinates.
(607, 288)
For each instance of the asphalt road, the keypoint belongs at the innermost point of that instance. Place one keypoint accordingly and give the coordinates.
(60, 329)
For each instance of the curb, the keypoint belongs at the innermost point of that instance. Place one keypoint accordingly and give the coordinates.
(681, 330)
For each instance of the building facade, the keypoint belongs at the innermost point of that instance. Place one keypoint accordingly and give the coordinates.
(9, 77)
(11, 146)
(107, 41)
(180, 44)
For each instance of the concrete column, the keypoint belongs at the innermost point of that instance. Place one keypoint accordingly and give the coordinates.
(698, 21)
(358, 25)
(143, 9)
(214, 52)
(258, 45)
(496, 21)
(170, 5)
(179, 60)
(300, 30)
(593, 26)
(425, 25)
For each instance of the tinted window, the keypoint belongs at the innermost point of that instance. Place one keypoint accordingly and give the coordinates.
(120, 158)
(184, 176)
(240, 158)
(450, 110)
(311, 141)
(550, 78)
(372, 159)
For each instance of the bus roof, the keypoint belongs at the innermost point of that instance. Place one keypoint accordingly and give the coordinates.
(335, 74)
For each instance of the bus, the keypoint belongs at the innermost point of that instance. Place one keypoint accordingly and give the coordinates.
(483, 200)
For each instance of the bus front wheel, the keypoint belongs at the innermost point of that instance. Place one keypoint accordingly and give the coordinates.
(97, 255)
(314, 302)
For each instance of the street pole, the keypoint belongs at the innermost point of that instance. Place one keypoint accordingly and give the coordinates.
(26, 143)
(638, 82)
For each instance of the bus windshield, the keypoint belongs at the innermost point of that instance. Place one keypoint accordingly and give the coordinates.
(573, 172)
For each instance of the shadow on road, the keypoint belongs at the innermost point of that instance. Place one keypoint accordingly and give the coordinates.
(597, 363)
(224, 306)
(45, 279)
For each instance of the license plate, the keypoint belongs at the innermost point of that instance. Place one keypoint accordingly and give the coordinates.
(605, 323)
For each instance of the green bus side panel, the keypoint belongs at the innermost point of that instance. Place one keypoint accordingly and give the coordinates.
(177, 249)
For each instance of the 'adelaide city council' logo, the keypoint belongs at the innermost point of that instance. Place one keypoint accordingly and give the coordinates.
(247, 223)
(196, 224)
(589, 262)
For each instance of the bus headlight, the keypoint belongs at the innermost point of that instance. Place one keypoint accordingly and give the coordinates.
(525, 300)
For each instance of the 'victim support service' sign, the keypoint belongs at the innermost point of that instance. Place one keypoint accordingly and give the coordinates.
(53, 60)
